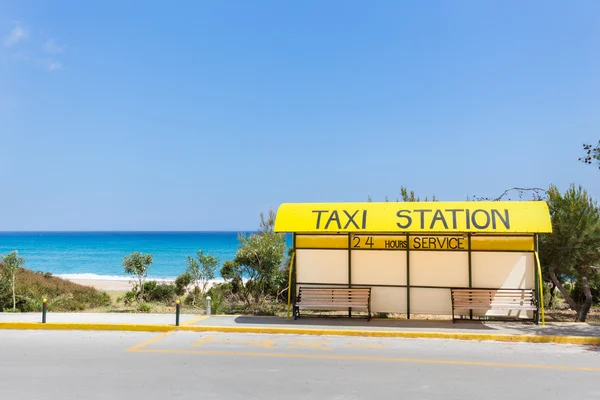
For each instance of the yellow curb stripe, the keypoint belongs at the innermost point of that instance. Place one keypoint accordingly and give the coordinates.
(584, 340)
(581, 340)
(366, 358)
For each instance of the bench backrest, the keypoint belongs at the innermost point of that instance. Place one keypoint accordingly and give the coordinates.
(493, 296)
(310, 295)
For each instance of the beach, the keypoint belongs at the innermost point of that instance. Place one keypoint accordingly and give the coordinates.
(105, 284)
(123, 285)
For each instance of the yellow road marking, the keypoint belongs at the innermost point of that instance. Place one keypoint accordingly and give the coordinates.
(368, 345)
(194, 320)
(364, 358)
(265, 344)
(319, 345)
(205, 339)
(137, 347)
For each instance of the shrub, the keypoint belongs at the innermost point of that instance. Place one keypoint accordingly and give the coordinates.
(182, 282)
(165, 293)
(145, 308)
(218, 301)
(194, 298)
(62, 295)
(130, 297)
(149, 286)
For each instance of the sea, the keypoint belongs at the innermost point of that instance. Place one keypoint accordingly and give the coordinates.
(99, 255)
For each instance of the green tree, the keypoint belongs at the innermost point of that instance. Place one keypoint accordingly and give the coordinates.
(201, 270)
(591, 154)
(12, 263)
(267, 225)
(536, 194)
(137, 264)
(406, 196)
(570, 252)
(182, 282)
(258, 262)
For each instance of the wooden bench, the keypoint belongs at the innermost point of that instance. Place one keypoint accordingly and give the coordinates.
(494, 299)
(330, 299)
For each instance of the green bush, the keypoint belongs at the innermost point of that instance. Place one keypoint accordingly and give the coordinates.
(31, 287)
(194, 298)
(130, 297)
(149, 286)
(165, 293)
(218, 300)
(153, 292)
(182, 282)
(145, 308)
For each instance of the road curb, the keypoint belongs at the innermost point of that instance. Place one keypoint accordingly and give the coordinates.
(581, 340)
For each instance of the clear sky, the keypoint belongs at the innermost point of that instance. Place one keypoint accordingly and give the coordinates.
(146, 115)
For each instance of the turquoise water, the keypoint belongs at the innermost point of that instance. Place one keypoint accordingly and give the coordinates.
(98, 255)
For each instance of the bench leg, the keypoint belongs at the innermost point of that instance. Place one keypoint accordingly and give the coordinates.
(296, 312)
(453, 319)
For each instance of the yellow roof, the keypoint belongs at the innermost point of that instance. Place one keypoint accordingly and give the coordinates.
(432, 217)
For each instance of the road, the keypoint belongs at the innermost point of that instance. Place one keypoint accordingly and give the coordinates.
(192, 365)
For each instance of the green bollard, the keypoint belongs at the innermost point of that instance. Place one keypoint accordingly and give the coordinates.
(44, 307)
(177, 312)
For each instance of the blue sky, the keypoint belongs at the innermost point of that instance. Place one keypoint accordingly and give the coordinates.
(198, 115)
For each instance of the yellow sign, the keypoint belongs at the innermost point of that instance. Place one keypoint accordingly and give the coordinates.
(421, 242)
(439, 243)
(377, 242)
(503, 243)
(322, 241)
(430, 217)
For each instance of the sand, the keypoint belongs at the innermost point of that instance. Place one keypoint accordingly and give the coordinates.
(120, 285)
(107, 285)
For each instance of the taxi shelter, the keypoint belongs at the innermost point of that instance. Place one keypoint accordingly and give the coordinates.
(412, 255)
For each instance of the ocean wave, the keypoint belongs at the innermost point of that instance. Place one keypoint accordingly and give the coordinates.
(90, 277)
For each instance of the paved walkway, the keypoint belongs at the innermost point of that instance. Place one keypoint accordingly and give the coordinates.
(98, 318)
(507, 328)
(475, 330)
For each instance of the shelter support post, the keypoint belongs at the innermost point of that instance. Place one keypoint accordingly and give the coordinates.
(540, 284)
(290, 279)
(407, 276)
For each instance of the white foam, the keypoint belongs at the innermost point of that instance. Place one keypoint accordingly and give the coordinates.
(96, 277)
(123, 278)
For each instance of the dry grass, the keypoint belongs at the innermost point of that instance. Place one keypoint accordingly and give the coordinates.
(564, 314)
(62, 295)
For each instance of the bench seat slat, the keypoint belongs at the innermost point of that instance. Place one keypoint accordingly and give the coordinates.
(310, 298)
(493, 299)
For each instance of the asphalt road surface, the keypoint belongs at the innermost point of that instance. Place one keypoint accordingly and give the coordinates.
(191, 365)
